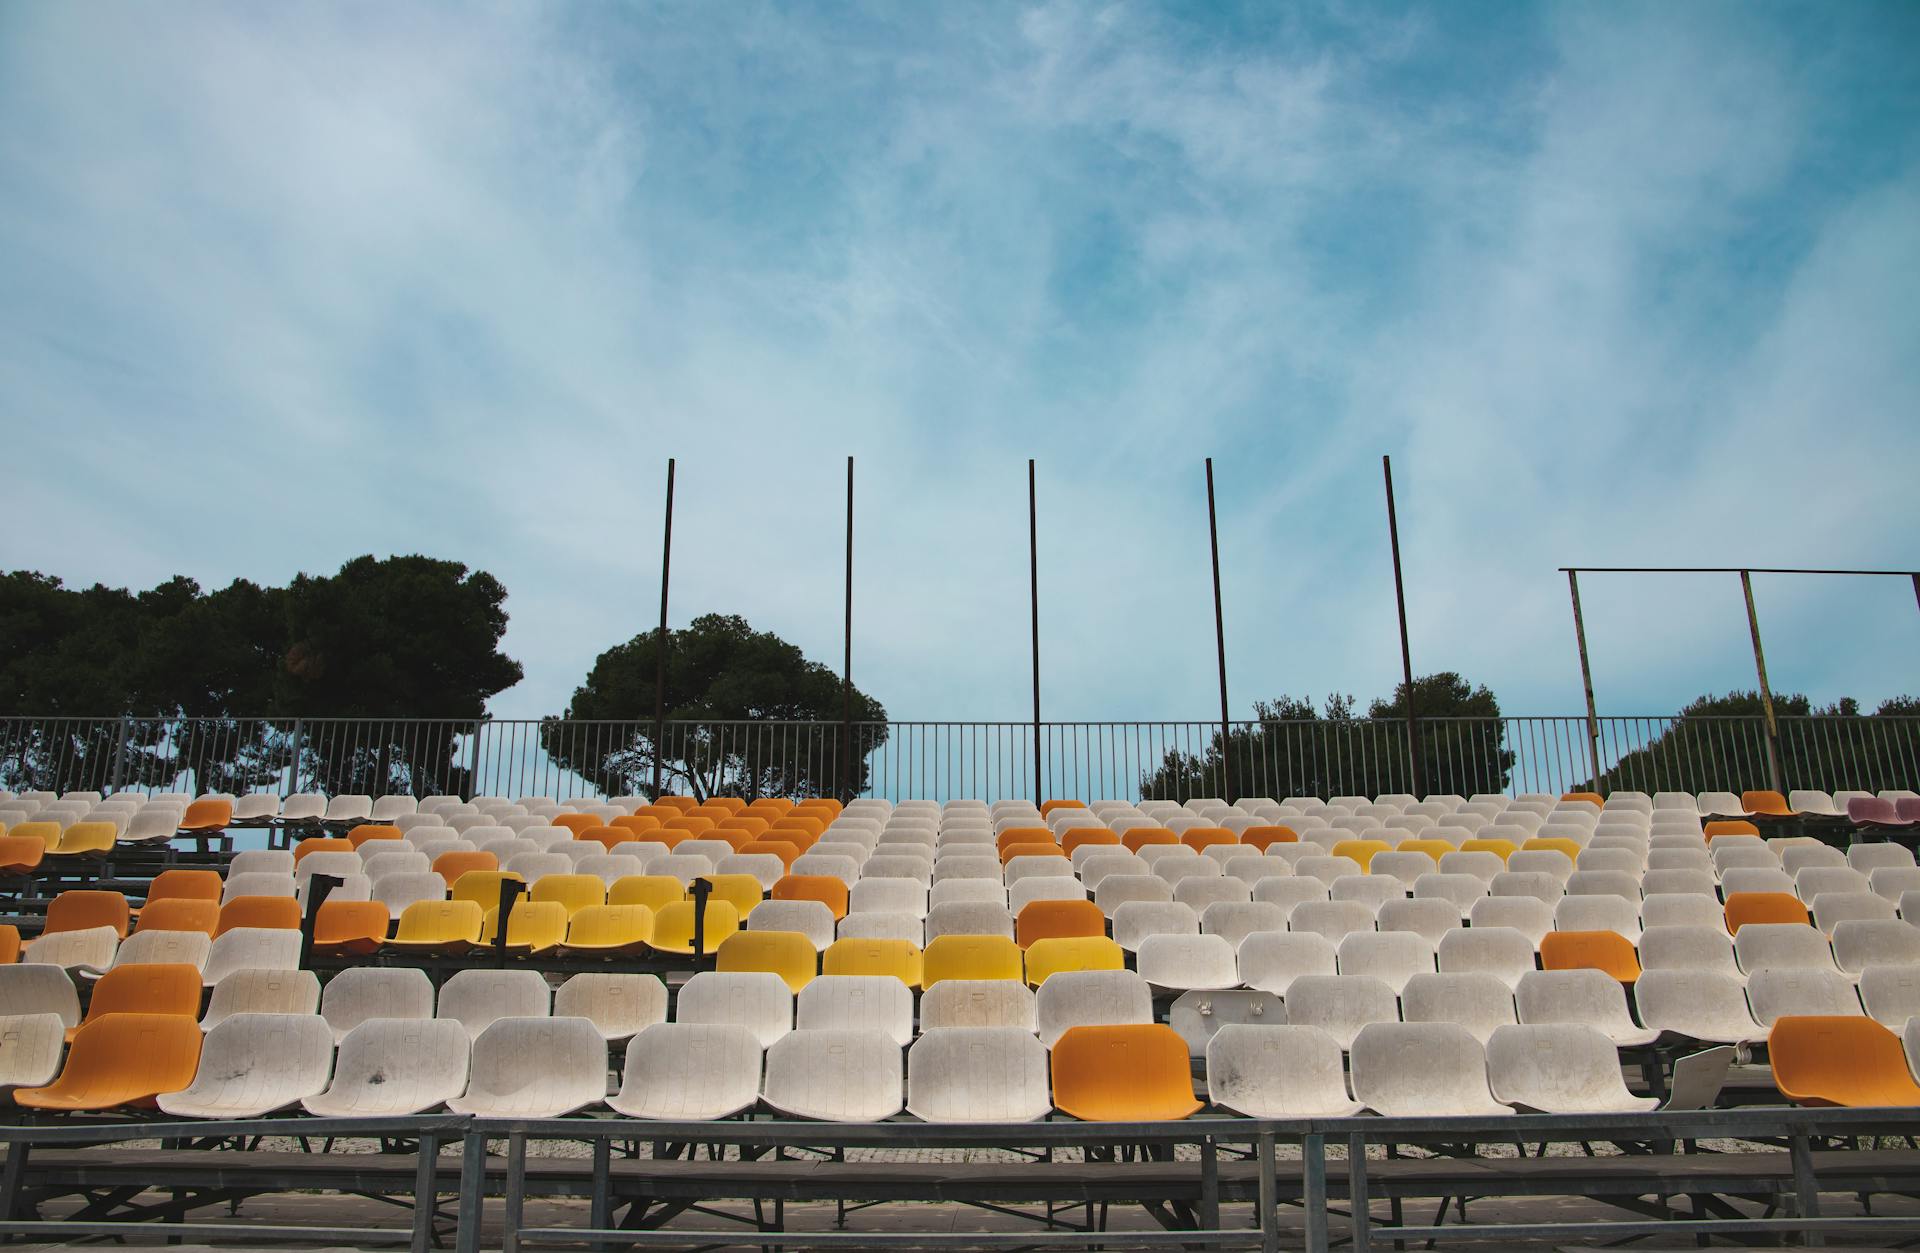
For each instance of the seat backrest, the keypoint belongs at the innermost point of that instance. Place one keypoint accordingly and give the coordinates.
(960, 1002)
(395, 1066)
(1776, 994)
(1092, 997)
(478, 998)
(1422, 1069)
(757, 1000)
(1340, 1005)
(977, 1074)
(121, 1058)
(1129, 1073)
(1479, 1002)
(1840, 1060)
(1271, 960)
(359, 993)
(1278, 1072)
(149, 988)
(1565, 1068)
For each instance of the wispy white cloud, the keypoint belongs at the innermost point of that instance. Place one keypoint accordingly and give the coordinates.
(1629, 285)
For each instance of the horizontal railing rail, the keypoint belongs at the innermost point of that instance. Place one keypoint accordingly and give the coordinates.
(987, 760)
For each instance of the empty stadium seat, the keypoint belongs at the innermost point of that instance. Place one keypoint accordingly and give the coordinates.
(1479, 1002)
(836, 1075)
(1586, 997)
(254, 1064)
(979, 1003)
(1134, 1073)
(1428, 1069)
(535, 1068)
(34, 989)
(253, 991)
(1559, 1069)
(1280, 1071)
(157, 988)
(31, 1048)
(392, 1067)
(121, 1059)
(1340, 1005)
(1696, 1005)
(1591, 950)
(1839, 1060)
(977, 1074)
(683, 1071)
(1776, 994)
(756, 1000)
(1094, 997)
(1270, 961)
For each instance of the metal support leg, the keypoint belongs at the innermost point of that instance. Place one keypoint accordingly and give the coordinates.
(1313, 1152)
(1269, 1198)
(473, 1178)
(1357, 1193)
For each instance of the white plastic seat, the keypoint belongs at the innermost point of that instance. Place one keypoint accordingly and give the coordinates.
(40, 988)
(857, 1003)
(905, 927)
(251, 948)
(1834, 909)
(1776, 994)
(182, 948)
(685, 867)
(1860, 943)
(1816, 881)
(1373, 891)
(1137, 921)
(1234, 921)
(979, 1003)
(1184, 962)
(1535, 884)
(1867, 858)
(1340, 1005)
(1783, 946)
(1804, 854)
(890, 866)
(1663, 909)
(397, 891)
(1282, 1071)
(1289, 893)
(1527, 915)
(1332, 919)
(362, 993)
(813, 919)
(1563, 1068)
(1891, 995)
(1479, 1002)
(391, 1067)
(260, 861)
(1271, 960)
(618, 1005)
(977, 1074)
(476, 999)
(263, 992)
(254, 1064)
(836, 1076)
(1695, 1005)
(757, 1000)
(1893, 882)
(968, 918)
(535, 1068)
(1429, 919)
(1541, 861)
(1393, 957)
(1502, 952)
(697, 1072)
(984, 891)
(31, 1048)
(1755, 879)
(1604, 912)
(1424, 1069)
(1080, 998)
(1033, 888)
(1688, 948)
(610, 868)
(1590, 997)
(256, 883)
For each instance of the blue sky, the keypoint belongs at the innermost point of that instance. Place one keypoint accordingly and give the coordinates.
(1614, 284)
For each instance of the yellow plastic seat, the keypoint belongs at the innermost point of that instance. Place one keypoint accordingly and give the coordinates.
(673, 926)
(532, 926)
(178, 914)
(1266, 837)
(970, 957)
(1502, 849)
(572, 892)
(350, 928)
(84, 839)
(826, 889)
(209, 813)
(1553, 844)
(1135, 1073)
(147, 988)
(655, 891)
(1051, 920)
(899, 958)
(1745, 907)
(1361, 851)
(482, 887)
(610, 930)
(742, 891)
(440, 926)
(122, 1059)
(1606, 951)
(1839, 1061)
(1435, 849)
(1051, 956)
(21, 854)
(82, 909)
(785, 953)
(280, 913)
(1765, 801)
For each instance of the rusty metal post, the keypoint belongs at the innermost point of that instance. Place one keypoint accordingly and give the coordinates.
(1586, 678)
(1766, 692)
(1406, 655)
(1220, 647)
(660, 650)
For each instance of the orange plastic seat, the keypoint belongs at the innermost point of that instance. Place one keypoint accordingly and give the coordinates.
(1502, 849)
(818, 805)
(681, 803)
(1047, 807)
(21, 854)
(1135, 1073)
(450, 866)
(1200, 839)
(1140, 837)
(732, 804)
(122, 1059)
(696, 823)
(1034, 849)
(178, 914)
(1745, 907)
(155, 988)
(749, 824)
(1552, 844)
(785, 851)
(1054, 920)
(184, 885)
(1729, 826)
(576, 823)
(1361, 851)
(807, 824)
(1839, 1061)
(1765, 801)
(1080, 837)
(608, 836)
(1607, 951)
(210, 813)
(1022, 835)
(280, 913)
(372, 831)
(9, 944)
(320, 844)
(1592, 798)
(826, 889)
(636, 823)
(350, 928)
(1264, 838)
(769, 807)
(81, 909)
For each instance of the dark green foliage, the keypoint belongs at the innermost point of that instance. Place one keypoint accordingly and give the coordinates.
(719, 671)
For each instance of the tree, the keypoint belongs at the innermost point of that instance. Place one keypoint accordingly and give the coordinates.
(748, 715)
(1720, 742)
(110, 675)
(1295, 749)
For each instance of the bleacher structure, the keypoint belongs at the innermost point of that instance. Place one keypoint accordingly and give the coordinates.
(1152, 1000)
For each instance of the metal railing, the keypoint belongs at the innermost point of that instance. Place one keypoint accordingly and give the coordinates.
(944, 760)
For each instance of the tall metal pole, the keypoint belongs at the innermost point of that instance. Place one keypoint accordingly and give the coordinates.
(1916, 589)
(1766, 692)
(846, 665)
(1406, 656)
(1220, 646)
(660, 650)
(1586, 678)
(1033, 578)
